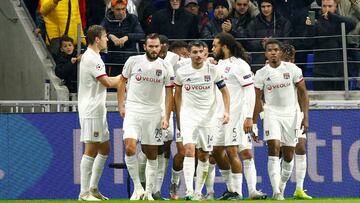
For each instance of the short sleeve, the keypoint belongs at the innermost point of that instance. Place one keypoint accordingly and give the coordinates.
(258, 81)
(244, 74)
(126, 73)
(298, 76)
(169, 77)
(97, 68)
(178, 80)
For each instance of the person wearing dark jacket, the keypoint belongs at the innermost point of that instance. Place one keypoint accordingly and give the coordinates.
(328, 24)
(241, 16)
(66, 64)
(174, 22)
(220, 22)
(124, 31)
(268, 24)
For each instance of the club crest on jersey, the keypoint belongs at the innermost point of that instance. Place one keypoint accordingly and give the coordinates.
(158, 72)
(207, 78)
(96, 134)
(98, 67)
(267, 133)
(286, 75)
(227, 69)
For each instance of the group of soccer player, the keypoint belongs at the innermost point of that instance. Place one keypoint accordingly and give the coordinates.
(216, 101)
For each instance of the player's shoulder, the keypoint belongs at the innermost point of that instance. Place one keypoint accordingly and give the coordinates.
(186, 67)
(241, 65)
(136, 58)
(262, 71)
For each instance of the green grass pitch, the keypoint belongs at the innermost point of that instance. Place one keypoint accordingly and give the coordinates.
(316, 200)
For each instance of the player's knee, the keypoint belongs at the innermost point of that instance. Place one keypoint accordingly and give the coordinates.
(246, 154)
(130, 150)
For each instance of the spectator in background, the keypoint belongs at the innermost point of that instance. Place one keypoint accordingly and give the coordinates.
(268, 24)
(241, 16)
(296, 12)
(174, 22)
(192, 6)
(55, 14)
(124, 31)
(329, 24)
(95, 12)
(66, 64)
(180, 48)
(220, 22)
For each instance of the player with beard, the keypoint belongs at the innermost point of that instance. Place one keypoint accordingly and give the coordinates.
(283, 87)
(146, 76)
(235, 137)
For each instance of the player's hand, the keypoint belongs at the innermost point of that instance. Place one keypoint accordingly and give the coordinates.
(305, 125)
(122, 111)
(248, 125)
(226, 118)
(164, 124)
(254, 133)
(212, 60)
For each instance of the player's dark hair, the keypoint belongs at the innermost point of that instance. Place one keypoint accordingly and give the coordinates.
(235, 47)
(151, 36)
(273, 41)
(197, 43)
(178, 44)
(163, 39)
(93, 32)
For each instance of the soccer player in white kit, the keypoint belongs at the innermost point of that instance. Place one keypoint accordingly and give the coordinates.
(146, 76)
(195, 114)
(283, 87)
(235, 137)
(288, 55)
(92, 114)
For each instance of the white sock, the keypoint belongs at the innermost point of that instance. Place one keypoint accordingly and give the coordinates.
(250, 175)
(97, 170)
(286, 170)
(151, 171)
(189, 169)
(300, 161)
(175, 177)
(237, 179)
(86, 165)
(133, 169)
(274, 173)
(160, 172)
(142, 164)
(201, 174)
(227, 179)
(209, 182)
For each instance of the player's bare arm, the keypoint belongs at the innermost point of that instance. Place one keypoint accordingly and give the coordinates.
(257, 110)
(178, 92)
(303, 100)
(226, 99)
(109, 82)
(121, 95)
(169, 100)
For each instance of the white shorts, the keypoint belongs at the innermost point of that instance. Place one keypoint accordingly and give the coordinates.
(228, 134)
(146, 129)
(283, 128)
(300, 132)
(94, 130)
(201, 136)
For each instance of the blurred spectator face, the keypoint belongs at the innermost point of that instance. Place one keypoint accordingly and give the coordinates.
(217, 49)
(119, 11)
(102, 42)
(197, 54)
(241, 6)
(67, 47)
(192, 8)
(273, 53)
(266, 9)
(328, 6)
(182, 52)
(152, 48)
(210, 6)
(221, 12)
(175, 4)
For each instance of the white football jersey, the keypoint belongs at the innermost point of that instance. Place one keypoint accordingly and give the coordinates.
(146, 80)
(198, 94)
(279, 87)
(92, 94)
(237, 75)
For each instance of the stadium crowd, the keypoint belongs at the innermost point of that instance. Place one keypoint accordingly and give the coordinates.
(251, 22)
